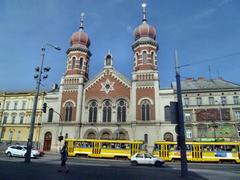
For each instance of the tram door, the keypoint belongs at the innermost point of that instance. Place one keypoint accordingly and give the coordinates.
(163, 151)
(96, 151)
(196, 152)
(134, 149)
(70, 148)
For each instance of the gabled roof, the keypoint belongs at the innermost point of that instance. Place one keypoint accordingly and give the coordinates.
(204, 84)
(113, 72)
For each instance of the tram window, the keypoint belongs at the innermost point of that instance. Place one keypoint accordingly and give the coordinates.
(156, 147)
(172, 147)
(207, 147)
(105, 145)
(231, 148)
(77, 144)
(218, 148)
(86, 145)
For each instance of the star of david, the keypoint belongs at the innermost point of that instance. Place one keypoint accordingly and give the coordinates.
(107, 86)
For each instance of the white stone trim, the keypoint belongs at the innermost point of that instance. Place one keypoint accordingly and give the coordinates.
(147, 98)
(69, 100)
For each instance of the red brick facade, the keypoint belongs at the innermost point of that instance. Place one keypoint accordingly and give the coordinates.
(145, 93)
(119, 89)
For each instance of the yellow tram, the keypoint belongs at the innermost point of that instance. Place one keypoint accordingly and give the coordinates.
(98, 148)
(199, 151)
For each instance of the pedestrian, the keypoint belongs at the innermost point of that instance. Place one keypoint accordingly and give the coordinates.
(64, 156)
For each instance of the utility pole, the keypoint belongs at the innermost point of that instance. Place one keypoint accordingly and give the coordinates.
(39, 79)
(184, 167)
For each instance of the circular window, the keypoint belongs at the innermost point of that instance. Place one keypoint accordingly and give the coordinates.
(107, 86)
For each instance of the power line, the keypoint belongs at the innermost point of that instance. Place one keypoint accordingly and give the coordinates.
(212, 59)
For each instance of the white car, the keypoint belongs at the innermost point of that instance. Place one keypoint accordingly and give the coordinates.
(20, 151)
(146, 159)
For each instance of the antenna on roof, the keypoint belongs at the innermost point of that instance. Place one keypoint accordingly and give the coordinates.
(210, 72)
(218, 74)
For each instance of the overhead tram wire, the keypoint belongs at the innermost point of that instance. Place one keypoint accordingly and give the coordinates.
(211, 59)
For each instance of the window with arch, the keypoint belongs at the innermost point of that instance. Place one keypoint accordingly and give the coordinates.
(168, 136)
(145, 106)
(73, 62)
(108, 60)
(144, 55)
(68, 111)
(92, 112)
(152, 57)
(121, 111)
(167, 113)
(107, 111)
(50, 115)
(81, 63)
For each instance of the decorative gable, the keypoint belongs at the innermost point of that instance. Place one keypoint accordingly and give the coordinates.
(108, 84)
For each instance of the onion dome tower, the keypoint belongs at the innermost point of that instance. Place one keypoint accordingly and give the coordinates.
(145, 46)
(73, 81)
(145, 80)
(78, 53)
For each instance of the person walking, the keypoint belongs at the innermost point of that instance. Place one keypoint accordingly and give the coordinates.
(64, 156)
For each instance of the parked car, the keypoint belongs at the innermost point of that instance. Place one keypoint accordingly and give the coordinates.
(41, 152)
(146, 159)
(20, 151)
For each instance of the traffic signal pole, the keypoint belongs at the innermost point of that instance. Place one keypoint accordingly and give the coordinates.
(184, 167)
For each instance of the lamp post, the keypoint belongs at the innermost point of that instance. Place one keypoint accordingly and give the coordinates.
(38, 77)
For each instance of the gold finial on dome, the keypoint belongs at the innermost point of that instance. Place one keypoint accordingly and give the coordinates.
(144, 5)
(81, 22)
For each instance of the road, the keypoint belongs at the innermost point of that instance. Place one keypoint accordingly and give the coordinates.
(81, 168)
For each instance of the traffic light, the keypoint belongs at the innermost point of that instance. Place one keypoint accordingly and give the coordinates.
(44, 108)
(60, 138)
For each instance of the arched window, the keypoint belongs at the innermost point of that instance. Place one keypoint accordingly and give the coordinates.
(73, 62)
(92, 112)
(152, 57)
(50, 115)
(145, 110)
(168, 136)
(144, 55)
(68, 111)
(167, 113)
(108, 60)
(107, 111)
(91, 135)
(105, 135)
(121, 111)
(81, 63)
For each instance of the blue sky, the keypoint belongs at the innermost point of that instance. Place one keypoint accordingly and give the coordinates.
(206, 31)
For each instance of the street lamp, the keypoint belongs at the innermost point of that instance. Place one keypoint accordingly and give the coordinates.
(38, 77)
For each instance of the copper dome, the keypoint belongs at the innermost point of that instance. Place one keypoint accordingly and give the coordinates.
(145, 30)
(80, 37)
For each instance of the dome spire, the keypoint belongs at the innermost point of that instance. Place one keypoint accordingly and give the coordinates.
(144, 5)
(81, 22)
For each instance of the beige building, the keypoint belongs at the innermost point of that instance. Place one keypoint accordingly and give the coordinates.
(15, 117)
(211, 109)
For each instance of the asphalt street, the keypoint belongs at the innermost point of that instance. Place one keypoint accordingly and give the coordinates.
(81, 168)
